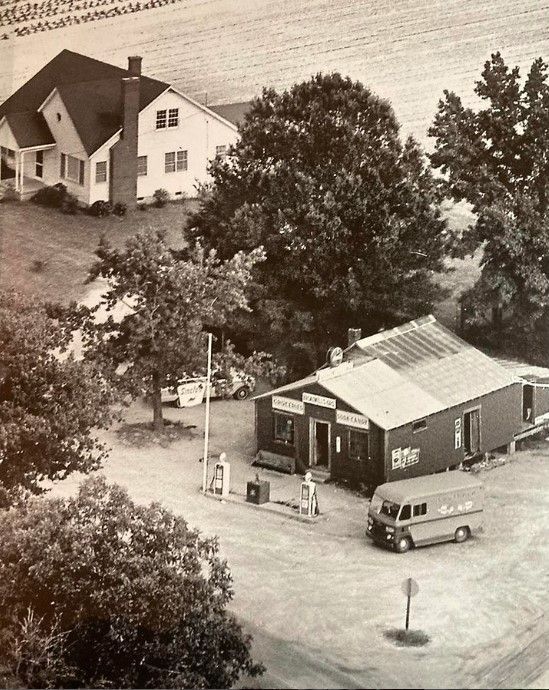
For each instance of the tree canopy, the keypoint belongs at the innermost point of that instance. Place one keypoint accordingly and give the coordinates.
(49, 402)
(347, 213)
(168, 299)
(98, 591)
(496, 158)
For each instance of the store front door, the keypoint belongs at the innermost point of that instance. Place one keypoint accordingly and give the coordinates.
(319, 443)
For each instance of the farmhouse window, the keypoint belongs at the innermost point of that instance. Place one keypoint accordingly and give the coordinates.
(175, 160)
(101, 171)
(173, 117)
(358, 445)
(72, 168)
(161, 119)
(141, 165)
(284, 428)
(220, 151)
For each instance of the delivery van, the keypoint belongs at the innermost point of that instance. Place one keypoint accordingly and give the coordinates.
(426, 510)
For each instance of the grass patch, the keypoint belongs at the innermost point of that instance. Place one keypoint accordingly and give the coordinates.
(143, 434)
(33, 238)
(407, 638)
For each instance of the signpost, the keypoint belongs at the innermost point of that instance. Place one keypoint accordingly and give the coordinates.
(409, 588)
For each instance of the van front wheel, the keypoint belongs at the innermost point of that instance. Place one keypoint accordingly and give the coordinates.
(461, 535)
(402, 545)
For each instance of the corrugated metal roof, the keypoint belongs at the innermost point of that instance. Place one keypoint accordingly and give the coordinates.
(410, 372)
(436, 360)
(531, 373)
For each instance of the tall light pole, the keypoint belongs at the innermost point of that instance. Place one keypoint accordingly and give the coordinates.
(207, 420)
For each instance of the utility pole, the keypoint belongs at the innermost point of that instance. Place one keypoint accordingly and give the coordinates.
(207, 420)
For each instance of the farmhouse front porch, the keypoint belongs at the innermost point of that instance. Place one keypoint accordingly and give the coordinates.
(15, 168)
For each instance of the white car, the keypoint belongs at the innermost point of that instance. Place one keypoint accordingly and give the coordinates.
(188, 392)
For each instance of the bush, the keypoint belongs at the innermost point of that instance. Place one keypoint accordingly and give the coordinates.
(70, 204)
(120, 209)
(100, 209)
(140, 597)
(53, 197)
(161, 197)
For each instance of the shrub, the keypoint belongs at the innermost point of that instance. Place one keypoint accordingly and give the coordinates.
(161, 197)
(52, 197)
(140, 597)
(70, 204)
(120, 209)
(100, 209)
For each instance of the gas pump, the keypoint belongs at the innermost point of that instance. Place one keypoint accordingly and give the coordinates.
(222, 476)
(308, 503)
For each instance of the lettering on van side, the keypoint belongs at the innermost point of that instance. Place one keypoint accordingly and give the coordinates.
(462, 508)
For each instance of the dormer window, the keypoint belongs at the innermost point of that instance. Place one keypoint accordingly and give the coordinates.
(167, 118)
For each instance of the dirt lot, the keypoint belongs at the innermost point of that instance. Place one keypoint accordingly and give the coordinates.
(318, 597)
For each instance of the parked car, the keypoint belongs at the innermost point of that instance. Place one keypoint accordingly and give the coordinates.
(190, 391)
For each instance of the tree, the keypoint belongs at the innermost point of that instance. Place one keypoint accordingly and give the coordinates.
(169, 298)
(118, 595)
(49, 403)
(497, 159)
(348, 215)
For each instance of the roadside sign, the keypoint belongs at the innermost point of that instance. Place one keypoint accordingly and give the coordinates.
(409, 588)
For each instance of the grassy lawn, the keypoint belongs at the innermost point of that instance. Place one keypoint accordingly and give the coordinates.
(65, 245)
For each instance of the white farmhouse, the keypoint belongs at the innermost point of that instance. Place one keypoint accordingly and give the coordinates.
(107, 133)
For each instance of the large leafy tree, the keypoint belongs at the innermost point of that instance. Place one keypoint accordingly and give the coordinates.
(496, 158)
(347, 213)
(158, 303)
(50, 403)
(98, 591)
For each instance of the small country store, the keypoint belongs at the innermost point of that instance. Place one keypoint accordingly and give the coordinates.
(402, 403)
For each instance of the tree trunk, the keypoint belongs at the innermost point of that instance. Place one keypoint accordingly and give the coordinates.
(158, 419)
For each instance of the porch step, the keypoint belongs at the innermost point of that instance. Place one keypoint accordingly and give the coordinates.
(320, 476)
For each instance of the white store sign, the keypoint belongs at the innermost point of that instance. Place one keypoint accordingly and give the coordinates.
(319, 400)
(353, 419)
(288, 405)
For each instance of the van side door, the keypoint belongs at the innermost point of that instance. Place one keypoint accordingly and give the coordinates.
(422, 526)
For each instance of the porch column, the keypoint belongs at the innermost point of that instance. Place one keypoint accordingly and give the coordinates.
(17, 155)
(22, 171)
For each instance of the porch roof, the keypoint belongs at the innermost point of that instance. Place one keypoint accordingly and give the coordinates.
(30, 129)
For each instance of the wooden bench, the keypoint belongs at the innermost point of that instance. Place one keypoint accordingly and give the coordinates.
(274, 461)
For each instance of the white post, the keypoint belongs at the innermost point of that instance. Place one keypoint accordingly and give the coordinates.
(22, 172)
(17, 156)
(207, 421)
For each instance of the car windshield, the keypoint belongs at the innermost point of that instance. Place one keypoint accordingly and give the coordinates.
(390, 509)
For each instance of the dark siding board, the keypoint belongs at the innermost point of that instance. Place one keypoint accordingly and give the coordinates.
(501, 413)
(541, 401)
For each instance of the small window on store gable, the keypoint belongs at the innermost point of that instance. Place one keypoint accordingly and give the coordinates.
(284, 428)
(419, 425)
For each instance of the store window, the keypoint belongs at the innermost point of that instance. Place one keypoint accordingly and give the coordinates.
(358, 445)
(284, 428)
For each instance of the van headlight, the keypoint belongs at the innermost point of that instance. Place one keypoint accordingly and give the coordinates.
(390, 530)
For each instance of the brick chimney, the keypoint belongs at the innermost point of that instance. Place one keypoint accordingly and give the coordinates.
(353, 334)
(123, 178)
(134, 65)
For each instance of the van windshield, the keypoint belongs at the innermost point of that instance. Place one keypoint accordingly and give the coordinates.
(390, 509)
